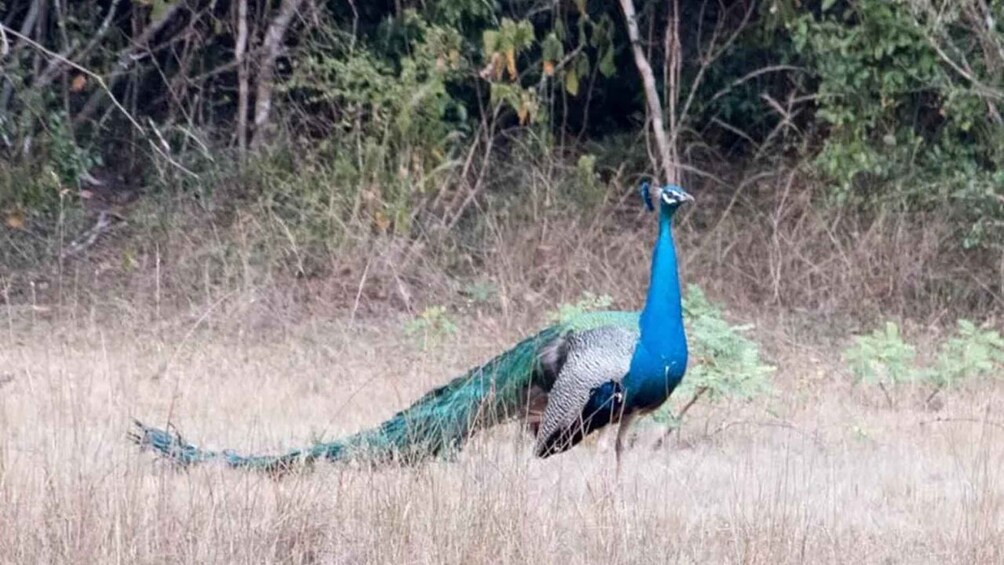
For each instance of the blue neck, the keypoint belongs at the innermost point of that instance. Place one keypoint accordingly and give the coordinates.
(662, 318)
(660, 357)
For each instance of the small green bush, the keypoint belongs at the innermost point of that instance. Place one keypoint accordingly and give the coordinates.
(431, 327)
(971, 353)
(724, 363)
(883, 358)
(586, 303)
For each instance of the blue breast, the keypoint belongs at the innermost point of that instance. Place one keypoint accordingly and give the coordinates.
(654, 374)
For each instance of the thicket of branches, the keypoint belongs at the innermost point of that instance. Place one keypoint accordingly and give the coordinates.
(399, 116)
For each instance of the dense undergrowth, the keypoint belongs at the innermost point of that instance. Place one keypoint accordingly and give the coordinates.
(844, 153)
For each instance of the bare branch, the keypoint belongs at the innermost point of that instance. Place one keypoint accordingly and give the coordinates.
(70, 52)
(126, 59)
(651, 94)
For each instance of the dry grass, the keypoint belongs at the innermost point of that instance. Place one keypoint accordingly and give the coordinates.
(819, 473)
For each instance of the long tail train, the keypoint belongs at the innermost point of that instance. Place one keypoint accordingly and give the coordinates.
(441, 421)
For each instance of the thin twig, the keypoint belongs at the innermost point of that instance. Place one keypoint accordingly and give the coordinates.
(693, 400)
(770, 424)
(930, 397)
(683, 411)
(888, 397)
(944, 420)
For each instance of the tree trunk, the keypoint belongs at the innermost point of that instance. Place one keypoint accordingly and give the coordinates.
(271, 48)
(240, 51)
(664, 149)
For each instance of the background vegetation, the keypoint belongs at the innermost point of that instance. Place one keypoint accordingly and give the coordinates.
(288, 132)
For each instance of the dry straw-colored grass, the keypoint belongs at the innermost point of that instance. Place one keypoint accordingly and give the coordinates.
(818, 473)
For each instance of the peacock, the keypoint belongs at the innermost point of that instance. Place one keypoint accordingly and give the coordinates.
(577, 376)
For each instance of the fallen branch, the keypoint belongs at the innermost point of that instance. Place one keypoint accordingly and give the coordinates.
(90, 237)
(683, 412)
(944, 420)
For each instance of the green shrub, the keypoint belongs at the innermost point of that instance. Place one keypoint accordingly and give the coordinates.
(903, 121)
(724, 363)
(586, 303)
(883, 358)
(431, 327)
(973, 352)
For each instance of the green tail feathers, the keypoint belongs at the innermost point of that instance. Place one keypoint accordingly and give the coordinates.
(439, 422)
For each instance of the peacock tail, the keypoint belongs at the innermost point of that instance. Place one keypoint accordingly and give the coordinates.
(438, 423)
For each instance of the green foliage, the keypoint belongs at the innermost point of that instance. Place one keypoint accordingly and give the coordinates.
(882, 357)
(725, 364)
(395, 127)
(431, 327)
(384, 109)
(459, 12)
(480, 292)
(873, 62)
(41, 187)
(501, 49)
(588, 302)
(972, 352)
(902, 122)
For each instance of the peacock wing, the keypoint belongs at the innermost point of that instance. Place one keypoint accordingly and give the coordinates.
(581, 399)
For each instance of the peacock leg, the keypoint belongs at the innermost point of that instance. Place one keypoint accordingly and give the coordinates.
(621, 434)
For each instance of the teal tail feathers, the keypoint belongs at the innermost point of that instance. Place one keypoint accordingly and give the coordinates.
(439, 422)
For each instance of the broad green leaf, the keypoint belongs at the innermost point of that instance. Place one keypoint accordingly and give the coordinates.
(490, 39)
(607, 66)
(572, 82)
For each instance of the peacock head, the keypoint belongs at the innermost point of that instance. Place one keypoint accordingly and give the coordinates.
(670, 196)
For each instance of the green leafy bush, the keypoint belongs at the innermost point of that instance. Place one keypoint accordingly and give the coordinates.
(724, 363)
(971, 353)
(883, 358)
(906, 97)
(431, 327)
(393, 124)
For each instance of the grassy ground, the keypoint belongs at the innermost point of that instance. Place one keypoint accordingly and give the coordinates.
(819, 472)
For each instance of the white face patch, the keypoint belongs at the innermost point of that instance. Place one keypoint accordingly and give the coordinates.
(673, 195)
